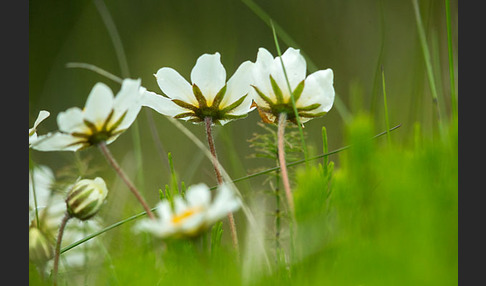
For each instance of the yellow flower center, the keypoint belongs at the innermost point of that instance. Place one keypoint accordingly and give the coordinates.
(177, 219)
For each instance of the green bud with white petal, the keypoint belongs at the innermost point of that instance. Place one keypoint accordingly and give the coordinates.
(40, 249)
(86, 198)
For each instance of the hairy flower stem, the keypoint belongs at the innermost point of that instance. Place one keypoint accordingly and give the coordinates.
(109, 157)
(57, 252)
(209, 134)
(282, 119)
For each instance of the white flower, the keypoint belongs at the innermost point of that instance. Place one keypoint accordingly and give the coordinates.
(313, 95)
(43, 114)
(192, 215)
(209, 95)
(103, 118)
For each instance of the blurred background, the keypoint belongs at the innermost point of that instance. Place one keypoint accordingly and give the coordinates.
(356, 39)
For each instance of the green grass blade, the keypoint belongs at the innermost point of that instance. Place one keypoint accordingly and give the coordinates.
(96, 69)
(451, 60)
(385, 105)
(428, 63)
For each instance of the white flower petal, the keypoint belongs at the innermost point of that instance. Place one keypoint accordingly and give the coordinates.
(225, 202)
(192, 224)
(198, 195)
(295, 67)
(128, 100)
(318, 89)
(56, 142)
(43, 114)
(128, 95)
(238, 85)
(71, 120)
(180, 205)
(175, 86)
(164, 211)
(161, 104)
(99, 104)
(261, 73)
(209, 75)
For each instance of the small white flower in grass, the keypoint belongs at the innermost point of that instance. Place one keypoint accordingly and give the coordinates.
(103, 118)
(208, 94)
(194, 214)
(313, 95)
(43, 114)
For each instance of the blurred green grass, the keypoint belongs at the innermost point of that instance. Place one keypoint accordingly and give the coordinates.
(398, 227)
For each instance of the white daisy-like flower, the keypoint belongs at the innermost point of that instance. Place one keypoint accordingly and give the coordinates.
(192, 215)
(103, 118)
(313, 95)
(208, 94)
(43, 114)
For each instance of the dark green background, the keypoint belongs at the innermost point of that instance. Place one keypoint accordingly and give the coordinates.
(354, 38)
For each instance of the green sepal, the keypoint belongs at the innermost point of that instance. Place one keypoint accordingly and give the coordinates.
(184, 104)
(276, 90)
(219, 97)
(309, 107)
(263, 96)
(199, 96)
(312, 115)
(298, 90)
(233, 105)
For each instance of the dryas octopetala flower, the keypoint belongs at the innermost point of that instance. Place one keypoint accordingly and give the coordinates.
(103, 118)
(86, 197)
(192, 215)
(209, 95)
(313, 95)
(43, 114)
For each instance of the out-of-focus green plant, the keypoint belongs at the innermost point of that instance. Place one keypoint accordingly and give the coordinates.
(391, 218)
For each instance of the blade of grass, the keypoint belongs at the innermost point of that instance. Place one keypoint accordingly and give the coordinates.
(451, 60)
(96, 70)
(387, 122)
(428, 63)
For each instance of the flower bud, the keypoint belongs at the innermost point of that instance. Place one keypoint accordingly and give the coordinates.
(40, 250)
(86, 197)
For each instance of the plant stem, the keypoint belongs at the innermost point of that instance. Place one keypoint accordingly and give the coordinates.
(282, 119)
(109, 157)
(209, 134)
(58, 247)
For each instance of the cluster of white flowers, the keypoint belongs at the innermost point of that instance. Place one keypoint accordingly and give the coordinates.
(263, 85)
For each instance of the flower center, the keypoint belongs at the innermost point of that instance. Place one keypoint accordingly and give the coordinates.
(186, 214)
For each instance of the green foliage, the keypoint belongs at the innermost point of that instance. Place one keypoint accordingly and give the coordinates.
(391, 218)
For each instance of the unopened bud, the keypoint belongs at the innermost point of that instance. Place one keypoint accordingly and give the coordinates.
(40, 250)
(86, 198)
